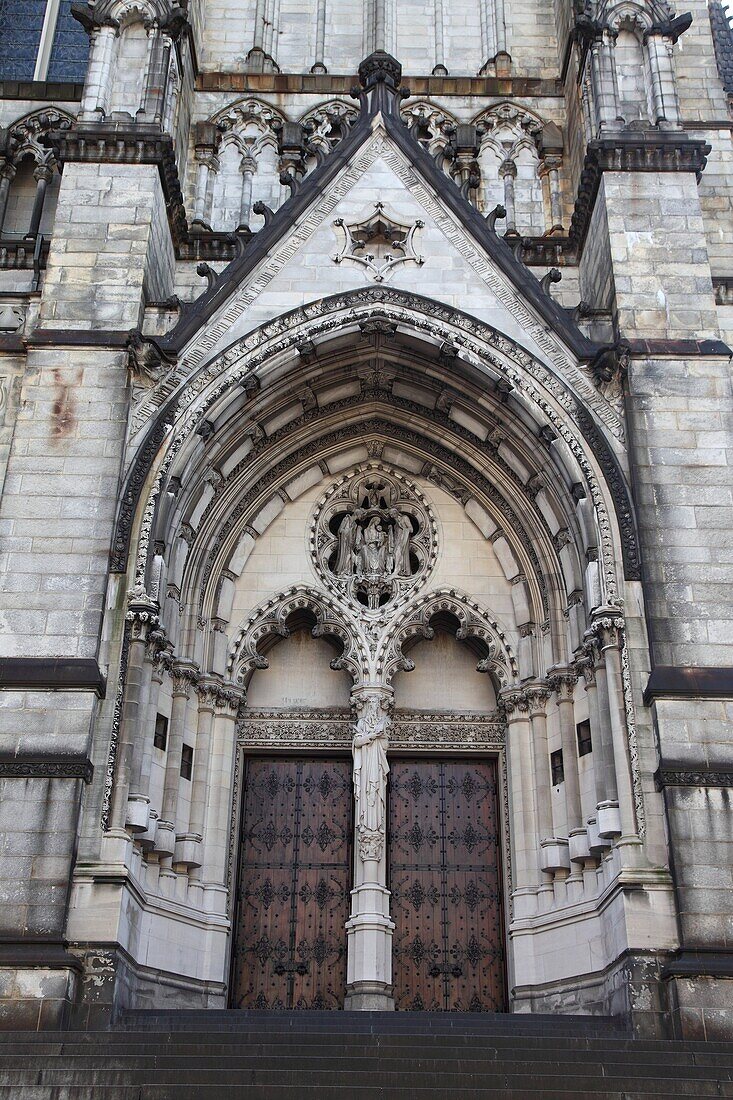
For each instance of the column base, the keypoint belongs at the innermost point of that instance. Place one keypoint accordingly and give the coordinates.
(369, 997)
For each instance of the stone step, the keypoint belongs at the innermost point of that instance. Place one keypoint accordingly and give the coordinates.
(365, 1057)
(507, 1022)
(273, 1041)
(570, 1084)
(299, 1092)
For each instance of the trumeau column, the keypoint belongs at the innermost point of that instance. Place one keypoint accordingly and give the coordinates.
(369, 928)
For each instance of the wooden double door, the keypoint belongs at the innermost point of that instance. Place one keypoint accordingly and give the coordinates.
(295, 877)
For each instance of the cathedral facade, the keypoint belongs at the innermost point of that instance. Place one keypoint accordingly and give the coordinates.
(366, 568)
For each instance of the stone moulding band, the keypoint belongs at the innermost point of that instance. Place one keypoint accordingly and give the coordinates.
(672, 774)
(48, 954)
(689, 682)
(707, 962)
(52, 674)
(38, 766)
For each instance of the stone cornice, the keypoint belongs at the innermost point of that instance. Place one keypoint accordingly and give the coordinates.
(683, 682)
(327, 84)
(45, 766)
(649, 151)
(671, 774)
(51, 674)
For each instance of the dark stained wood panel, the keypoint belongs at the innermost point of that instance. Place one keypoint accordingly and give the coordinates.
(445, 880)
(294, 884)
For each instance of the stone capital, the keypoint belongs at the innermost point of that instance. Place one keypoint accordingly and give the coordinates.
(562, 682)
(184, 675)
(514, 703)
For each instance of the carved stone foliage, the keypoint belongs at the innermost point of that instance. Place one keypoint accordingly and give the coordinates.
(333, 729)
(377, 243)
(373, 538)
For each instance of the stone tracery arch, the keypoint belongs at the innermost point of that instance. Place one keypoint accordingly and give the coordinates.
(272, 620)
(474, 624)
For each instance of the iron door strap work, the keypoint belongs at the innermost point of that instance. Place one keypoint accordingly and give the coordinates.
(445, 880)
(294, 881)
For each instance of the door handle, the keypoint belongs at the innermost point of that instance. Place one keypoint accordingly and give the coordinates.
(292, 968)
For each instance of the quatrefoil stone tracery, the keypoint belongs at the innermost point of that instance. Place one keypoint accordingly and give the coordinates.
(373, 541)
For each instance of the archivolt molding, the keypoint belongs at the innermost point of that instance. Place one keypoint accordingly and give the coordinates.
(238, 512)
(470, 336)
(474, 340)
(473, 623)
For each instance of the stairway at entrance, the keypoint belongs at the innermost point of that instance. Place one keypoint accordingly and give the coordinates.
(358, 1056)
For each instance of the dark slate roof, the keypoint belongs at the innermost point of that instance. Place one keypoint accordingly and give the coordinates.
(723, 42)
(380, 76)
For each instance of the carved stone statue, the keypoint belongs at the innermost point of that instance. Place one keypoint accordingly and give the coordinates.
(370, 778)
(402, 536)
(346, 540)
(372, 549)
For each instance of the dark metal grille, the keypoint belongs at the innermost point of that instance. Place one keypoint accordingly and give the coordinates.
(446, 886)
(294, 882)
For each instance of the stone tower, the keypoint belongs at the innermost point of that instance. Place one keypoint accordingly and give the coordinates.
(366, 569)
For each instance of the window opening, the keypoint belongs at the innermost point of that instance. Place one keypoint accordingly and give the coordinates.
(585, 744)
(160, 737)
(556, 767)
(186, 761)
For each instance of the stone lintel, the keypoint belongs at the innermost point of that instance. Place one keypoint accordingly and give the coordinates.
(680, 682)
(52, 674)
(643, 151)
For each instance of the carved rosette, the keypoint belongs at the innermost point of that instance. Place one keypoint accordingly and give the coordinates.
(373, 540)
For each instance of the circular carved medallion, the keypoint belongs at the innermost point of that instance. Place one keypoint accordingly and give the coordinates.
(373, 538)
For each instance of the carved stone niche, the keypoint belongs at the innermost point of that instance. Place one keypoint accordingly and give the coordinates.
(373, 539)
